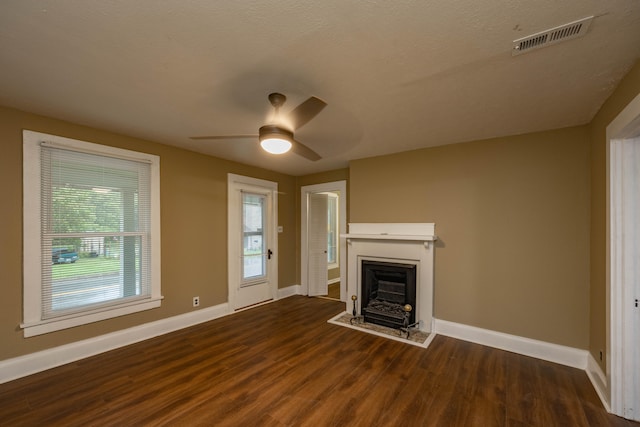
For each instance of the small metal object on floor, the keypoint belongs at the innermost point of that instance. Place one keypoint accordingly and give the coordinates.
(355, 316)
(406, 327)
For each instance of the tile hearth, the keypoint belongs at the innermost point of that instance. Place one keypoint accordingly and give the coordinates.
(416, 337)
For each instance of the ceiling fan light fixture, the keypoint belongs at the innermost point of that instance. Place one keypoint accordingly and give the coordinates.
(275, 145)
(275, 140)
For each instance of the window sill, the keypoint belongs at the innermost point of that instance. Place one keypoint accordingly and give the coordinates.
(32, 329)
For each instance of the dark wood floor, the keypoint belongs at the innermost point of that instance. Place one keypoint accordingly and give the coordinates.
(281, 364)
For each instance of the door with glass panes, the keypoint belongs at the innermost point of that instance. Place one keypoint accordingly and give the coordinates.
(252, 243)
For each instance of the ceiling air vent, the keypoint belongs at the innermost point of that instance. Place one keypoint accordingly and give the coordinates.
(552, 36)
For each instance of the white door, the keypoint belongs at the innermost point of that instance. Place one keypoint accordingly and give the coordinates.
(317, 244)
(630, 277)
(252, 209)
(623, 363)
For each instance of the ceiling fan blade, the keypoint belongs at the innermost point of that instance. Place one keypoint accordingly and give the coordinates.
(306, 111)
(224, 137)
(304, 151)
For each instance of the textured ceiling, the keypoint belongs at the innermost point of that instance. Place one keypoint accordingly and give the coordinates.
(396, 75)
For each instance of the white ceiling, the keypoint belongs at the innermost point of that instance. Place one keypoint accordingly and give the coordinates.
(396, 75)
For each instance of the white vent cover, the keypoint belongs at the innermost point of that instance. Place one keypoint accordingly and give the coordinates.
(552, 36)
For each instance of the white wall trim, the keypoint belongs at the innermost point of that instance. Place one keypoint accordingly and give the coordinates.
(289, 291)
(28, 364)
(598, 380)
(22, 366)
(561, 354)
(332, 281)
(621, 262)
(341, 187)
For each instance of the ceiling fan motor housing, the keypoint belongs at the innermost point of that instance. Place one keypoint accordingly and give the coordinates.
(274, 131)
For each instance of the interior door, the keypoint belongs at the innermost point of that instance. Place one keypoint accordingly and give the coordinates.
(317, 243)
(252, 242)
(624, 361)
(630, 257)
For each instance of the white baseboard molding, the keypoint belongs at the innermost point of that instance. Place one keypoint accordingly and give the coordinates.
(22, 366)
(599, 381)
(289, 291)
(563, 355)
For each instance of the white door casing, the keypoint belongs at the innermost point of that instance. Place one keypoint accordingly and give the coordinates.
(623, 262)
(317, 244)
(244, 293)
(339, 187)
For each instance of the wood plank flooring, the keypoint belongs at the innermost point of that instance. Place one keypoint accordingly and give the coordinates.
(281, 364)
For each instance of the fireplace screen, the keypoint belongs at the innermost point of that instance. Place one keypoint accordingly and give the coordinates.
(386, 288)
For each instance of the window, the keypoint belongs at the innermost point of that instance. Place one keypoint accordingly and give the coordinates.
(91, 232)
(332, 230)
(253, 238)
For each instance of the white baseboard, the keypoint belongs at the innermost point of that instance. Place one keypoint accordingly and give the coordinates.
(563, 355)
(289, 291)
(599, 381)
(22, 366)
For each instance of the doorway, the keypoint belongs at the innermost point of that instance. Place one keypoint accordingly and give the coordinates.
(623, 262)
(323, 253)
(252, 241)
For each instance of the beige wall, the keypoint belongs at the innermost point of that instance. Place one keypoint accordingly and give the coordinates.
(626, 91)
(194, 234)
(512, 217)
(521, 222)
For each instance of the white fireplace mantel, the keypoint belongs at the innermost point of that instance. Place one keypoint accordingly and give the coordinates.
(421, 232)
(398, 229)
(410, 243)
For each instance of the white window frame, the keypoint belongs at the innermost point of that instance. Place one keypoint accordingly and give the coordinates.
(33, 323)
(248, 281)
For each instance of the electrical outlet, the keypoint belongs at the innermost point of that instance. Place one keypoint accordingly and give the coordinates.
(196, 301)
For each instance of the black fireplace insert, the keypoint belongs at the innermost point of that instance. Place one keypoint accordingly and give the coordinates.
(386, 288)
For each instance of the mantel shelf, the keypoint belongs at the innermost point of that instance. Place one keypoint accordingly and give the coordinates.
(423, 238)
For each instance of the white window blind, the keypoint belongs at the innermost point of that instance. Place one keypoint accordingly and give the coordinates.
(95, 230)
(91, 232)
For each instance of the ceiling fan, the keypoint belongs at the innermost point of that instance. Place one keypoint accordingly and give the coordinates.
(277, 138)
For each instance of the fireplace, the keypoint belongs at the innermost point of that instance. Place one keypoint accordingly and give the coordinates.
(375, 248)
(386, 287)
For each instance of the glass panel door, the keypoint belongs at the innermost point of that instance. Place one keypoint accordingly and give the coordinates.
(254, 241)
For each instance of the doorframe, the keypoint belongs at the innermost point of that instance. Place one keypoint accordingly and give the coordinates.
(234, 270)
(619, 380)
(341, 187)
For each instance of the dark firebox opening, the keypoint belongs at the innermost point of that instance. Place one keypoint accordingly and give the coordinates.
(386, 288)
